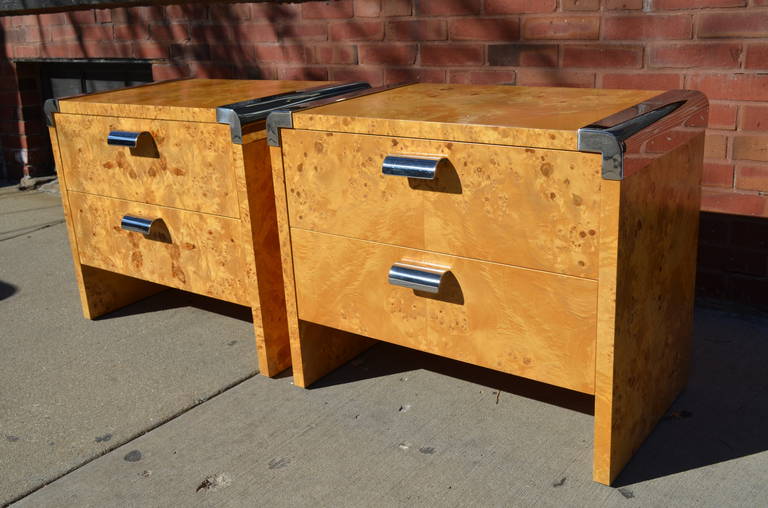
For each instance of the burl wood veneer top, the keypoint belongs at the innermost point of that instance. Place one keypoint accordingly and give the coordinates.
(193, 100)
(530, 116)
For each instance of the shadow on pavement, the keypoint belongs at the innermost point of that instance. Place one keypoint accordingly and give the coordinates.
(719, 417)
(174, 298)
(7, 290)
(722, 414)
(387, 359)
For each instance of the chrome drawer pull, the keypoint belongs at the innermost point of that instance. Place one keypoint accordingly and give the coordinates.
(123, 138)
(424, 168)
(420, 278)
(137, 224)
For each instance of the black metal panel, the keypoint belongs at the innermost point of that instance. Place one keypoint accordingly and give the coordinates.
(62, 79)
(36, 6)
(32, 6)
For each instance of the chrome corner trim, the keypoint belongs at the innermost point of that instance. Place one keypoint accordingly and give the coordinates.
(679, 110)
(421, 167)
(228, 116)
(610, 146)
(137, 224)
(50, 107)
(239, 114)
(278, 119)
(419, 278)
(125, 138)
(274, 123)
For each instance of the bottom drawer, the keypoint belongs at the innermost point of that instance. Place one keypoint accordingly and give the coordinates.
(188, 250)
(533, 324)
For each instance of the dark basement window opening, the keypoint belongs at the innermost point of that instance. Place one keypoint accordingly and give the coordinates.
(42, 79)
(75, 77)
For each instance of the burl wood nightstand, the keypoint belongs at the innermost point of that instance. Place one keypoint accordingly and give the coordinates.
(169, 184)
(545, 232)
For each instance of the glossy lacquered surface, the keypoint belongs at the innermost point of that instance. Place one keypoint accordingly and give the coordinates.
(524, 322)
(188, 166)
(506, 115)
(191, 251)
(553, 272)
(527, 207)
(192, 100)
(157, 195)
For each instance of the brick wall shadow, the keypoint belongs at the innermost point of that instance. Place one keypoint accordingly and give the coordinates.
(241, 41)
(733, 260)
(719, 51)
(223, 41)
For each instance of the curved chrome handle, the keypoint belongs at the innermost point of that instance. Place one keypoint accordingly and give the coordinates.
(137, 224)
(420, 278)
(423, 168)
(125, 138)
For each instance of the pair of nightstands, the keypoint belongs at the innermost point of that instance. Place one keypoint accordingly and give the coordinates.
(169, 185)
(546, 233)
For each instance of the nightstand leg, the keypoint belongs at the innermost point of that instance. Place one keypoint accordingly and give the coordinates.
(102, 292)
(272, 347)
(262, 252)
(319, 350)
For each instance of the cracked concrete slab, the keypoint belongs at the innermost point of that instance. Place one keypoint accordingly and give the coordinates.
(470, 437)
(72, 389)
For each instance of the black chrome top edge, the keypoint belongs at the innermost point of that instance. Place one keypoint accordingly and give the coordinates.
(257, 109)
(283, 117)
(51, 106)
(351, 94)
(630, 113)
(629, 134)
(242, 113)
(246, 106)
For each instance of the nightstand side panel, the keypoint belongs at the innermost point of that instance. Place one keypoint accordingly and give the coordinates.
(261, 249)
(648, 259)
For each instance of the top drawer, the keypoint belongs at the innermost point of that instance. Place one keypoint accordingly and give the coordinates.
(520, 206)
(189, 166)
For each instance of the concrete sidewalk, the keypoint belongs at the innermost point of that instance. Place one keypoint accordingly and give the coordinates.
(393, 428)
(73, 389)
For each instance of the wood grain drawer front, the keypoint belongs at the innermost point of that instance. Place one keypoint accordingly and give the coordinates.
(526, 322)
(511, 205)
(187, 250)
(190, 169)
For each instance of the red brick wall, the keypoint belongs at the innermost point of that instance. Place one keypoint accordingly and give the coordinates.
(717, 46)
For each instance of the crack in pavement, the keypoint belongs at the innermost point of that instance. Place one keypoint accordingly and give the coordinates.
(27, 230)
(133, 437)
